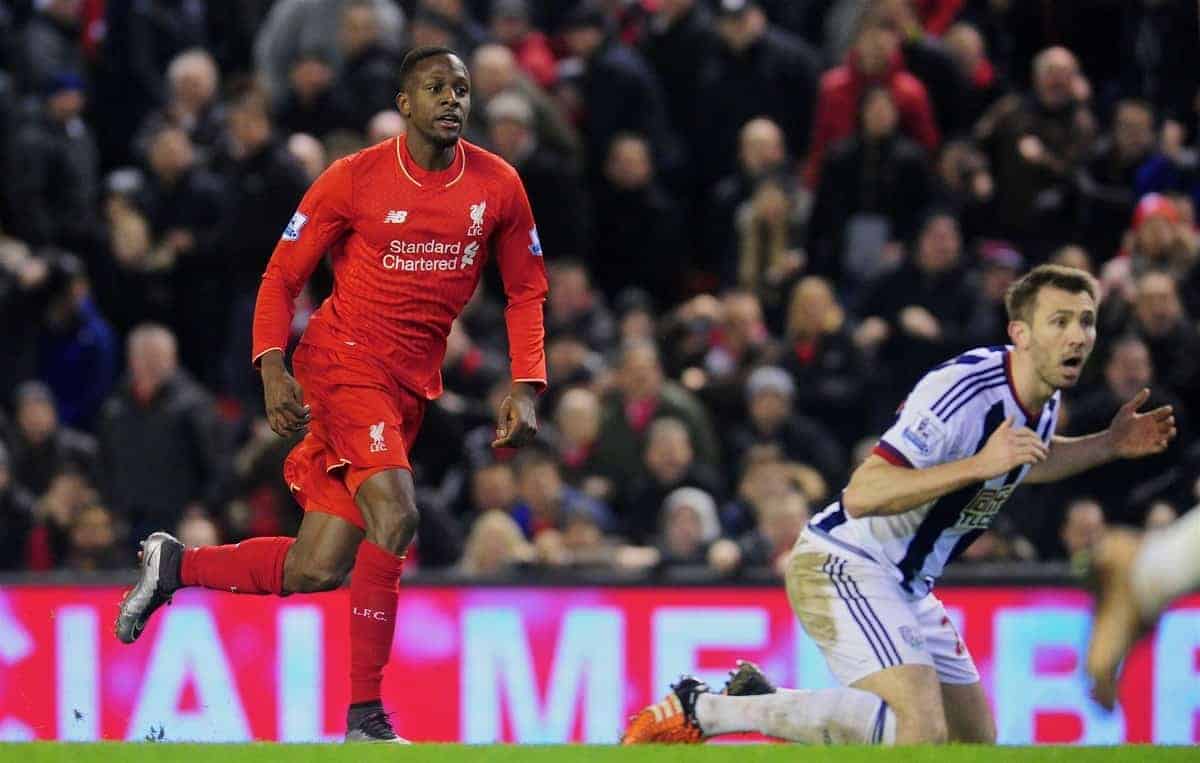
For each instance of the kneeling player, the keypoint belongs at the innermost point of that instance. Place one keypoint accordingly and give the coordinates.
(862, 573)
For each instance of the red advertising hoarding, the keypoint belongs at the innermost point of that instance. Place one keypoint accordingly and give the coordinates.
(528, 664)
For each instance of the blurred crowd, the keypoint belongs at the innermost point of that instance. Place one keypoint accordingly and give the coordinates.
(764, 219)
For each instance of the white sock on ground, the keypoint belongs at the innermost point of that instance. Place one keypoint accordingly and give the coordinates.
(1167, 565)
(823, 716)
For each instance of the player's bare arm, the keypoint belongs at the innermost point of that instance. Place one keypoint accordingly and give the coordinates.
(1130, 435)
(516, 426)
(286, 411)
(878, 488)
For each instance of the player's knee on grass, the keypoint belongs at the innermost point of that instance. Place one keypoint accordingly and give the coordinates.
(916, 725)
(389, 509)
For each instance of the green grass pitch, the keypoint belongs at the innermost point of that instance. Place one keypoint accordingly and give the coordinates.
(44, 752)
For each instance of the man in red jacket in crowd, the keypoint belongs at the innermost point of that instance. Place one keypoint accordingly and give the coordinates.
(875, 59)
(410, 224)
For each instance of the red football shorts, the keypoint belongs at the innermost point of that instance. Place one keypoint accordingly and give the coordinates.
(363, 422)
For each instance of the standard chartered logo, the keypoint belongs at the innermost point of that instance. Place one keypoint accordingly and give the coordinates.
(447, 256)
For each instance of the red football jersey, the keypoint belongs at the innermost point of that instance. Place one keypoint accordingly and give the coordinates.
(408, 248)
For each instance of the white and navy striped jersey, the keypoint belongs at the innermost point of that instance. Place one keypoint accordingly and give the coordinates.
(948, 416)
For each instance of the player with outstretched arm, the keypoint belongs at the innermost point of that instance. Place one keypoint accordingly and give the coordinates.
(410, 224)
(861, 576)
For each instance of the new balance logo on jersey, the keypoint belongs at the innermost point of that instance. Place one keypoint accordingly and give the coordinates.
(396, 216)
(377, 443)
(476, 226)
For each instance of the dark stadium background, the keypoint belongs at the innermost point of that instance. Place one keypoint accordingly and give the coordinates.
(763, 220)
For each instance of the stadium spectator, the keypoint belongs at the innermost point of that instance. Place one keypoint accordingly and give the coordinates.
(41, 447)
(964, 183)
(495, 546)
(160, 440)
(493, 487)
(1035, 144)
(555, 189)
(574, 307)
(1159, 238)
(546, 502)
(820, 355)
(999, 266)
(772, 420)
(761, 154)
(1083, 524)
(929, 59)
(310, 154)
(1171, 338)
(577, 420)
(642, 395)
(184, 206)
(1160, 514)
(915, 317)
(21, 278)
(769, 544)
(298, 28)
(1108, 180)
(310, 104)
(48, 45)
(193, 105)
(494, 71)
(679, 44)
(75, 342)
(53, 177)
(668, 462)
(1127, 371)
(982, 84)
(93, 541)
(874, 187)
(367, 81)
(386, 124)
(197, 529)
(769, 230)
(16, 517)
(510, 26)
(140, 41)
(758, 70)
(265, 184)
(689, 526)
(639, 226)
(875, 59)
(617, 89)
(54, 513)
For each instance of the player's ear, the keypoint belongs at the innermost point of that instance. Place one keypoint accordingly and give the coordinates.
(1018, 332)
(402, 104)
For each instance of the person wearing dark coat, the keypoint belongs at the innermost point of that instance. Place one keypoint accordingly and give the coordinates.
(48, 45)
(367, 82)
(877, 174)
(639, 238)
(161, 442)
(759, 70)
(41, 446)
(52, 183)
(618, 89)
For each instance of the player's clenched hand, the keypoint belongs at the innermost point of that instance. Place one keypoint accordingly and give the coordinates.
(1009, 448)
(286, 411)
(517, 423)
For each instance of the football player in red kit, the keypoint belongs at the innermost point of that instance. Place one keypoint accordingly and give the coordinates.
(410, 224)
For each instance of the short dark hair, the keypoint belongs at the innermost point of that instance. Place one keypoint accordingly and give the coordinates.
(1022, 295)
(416, 56)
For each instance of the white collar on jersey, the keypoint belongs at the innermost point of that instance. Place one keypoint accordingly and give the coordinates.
(462, 154)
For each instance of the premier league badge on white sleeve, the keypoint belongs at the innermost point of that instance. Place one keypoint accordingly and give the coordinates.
(535, 245)
(294, 226)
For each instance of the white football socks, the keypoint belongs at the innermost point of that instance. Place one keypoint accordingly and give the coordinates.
(1167, 565)
(823, 716)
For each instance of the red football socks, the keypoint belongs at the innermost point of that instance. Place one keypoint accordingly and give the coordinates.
(374, 589)
(252, 566)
